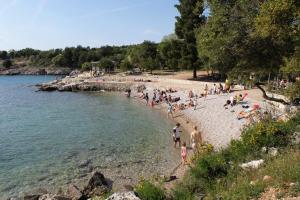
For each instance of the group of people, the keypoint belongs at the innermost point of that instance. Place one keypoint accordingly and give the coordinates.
(158, 97)
(195, 140)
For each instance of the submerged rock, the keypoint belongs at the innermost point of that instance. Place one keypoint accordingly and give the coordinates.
(85, 163)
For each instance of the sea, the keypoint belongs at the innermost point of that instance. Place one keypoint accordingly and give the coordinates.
(52, 139)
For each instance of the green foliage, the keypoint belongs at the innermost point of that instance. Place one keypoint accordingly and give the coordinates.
(191, 17)
(106, 64)
(183, 193)
(86, 66)
(3, 55)
(7, 63)
(170, 51)
(293, 91)
(148, 191)
(218, 174)
(125, 65)
(210, 167)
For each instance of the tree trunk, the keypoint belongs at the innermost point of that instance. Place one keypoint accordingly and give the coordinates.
(265, 96)
(195, 72)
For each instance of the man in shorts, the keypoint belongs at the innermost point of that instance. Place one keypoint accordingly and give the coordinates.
(176, 135)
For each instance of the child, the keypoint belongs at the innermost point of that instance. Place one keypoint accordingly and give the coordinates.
(183, 153)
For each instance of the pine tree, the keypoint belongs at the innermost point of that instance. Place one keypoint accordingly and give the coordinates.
(191, 17)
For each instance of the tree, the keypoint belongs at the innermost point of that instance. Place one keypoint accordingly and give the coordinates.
(125, 65)
(278, 22)
(86, 66)
(190, 19)
(3, 55)
(170, 52)
(7, 63)
(107, 64)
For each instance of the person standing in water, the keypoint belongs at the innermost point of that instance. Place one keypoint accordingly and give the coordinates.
(147, 98)
(170, 110)
(176, 135)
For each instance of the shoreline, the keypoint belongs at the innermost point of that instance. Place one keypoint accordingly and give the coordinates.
(187, 118)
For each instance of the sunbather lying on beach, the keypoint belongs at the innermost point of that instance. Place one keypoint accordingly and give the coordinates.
(248, 112)
(170, 90)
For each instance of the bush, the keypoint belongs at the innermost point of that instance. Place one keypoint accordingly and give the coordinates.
(7, 63)
(211, 167)
(148, 191)
(182, 193)
(268, 134)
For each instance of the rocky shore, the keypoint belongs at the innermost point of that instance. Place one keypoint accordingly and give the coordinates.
(35, 71)
(96, 186)
(84, 83)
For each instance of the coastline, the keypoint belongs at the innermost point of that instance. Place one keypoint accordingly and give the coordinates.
(187, 118)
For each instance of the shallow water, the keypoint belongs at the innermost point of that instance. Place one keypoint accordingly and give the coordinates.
(51, 139)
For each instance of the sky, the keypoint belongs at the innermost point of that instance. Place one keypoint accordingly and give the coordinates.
(47, 24)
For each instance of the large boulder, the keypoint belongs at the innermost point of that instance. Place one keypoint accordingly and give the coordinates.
(123, 196)
(254, 164)
(74, 193)
(97, 185)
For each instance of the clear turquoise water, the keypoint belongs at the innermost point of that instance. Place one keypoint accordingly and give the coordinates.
(44, 137)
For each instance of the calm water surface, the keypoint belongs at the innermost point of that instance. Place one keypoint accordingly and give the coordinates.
(53, 139)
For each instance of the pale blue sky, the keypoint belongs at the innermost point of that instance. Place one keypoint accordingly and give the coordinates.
(46, 24)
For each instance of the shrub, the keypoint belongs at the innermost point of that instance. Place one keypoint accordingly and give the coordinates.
(148, 191)
(268, 133)
(182, 193)
(211, 167)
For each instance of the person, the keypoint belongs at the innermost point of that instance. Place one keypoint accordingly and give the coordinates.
(214, 91)
(205, 91)
(147, 98)
(170, 110)
(220, 88)
(195, 137)
(183, 153)
(195, 103)
(152, 102)
(128, 93)
(176, 135)
(191, 94)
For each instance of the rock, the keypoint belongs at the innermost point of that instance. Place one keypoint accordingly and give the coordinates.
(36, 194)
(123, 196)
(128, 187)
(292, 184)
(53, 197)
(97, 185)
(48, 87)
(254, 164)
(32, 197)
(253, 182)
(273, 151)
(264, 149)
(85, 163)
(60, 197)
(267, 178)
(296, 137)
(74, 192)
(74, 72)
